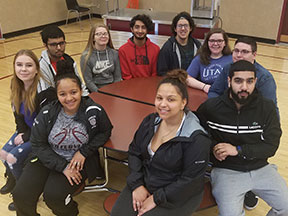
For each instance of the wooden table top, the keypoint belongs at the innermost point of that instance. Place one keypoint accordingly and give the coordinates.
(143, 90)
(125, 115)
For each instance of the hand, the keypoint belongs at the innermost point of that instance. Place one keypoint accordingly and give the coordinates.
(222, 150)
(206, 88)
(139, 195)
(72, 176)
(77, 162)
(147, 205)
(18, 139)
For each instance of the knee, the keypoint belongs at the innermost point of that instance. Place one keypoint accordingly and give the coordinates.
(11, 159)
(53, 198)
(3, 155)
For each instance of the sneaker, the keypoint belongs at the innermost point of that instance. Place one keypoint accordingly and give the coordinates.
(250, 200)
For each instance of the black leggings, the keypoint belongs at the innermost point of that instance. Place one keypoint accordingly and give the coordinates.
(57, 191)
(123, 206)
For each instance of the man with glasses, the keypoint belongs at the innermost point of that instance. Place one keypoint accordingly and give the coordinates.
(138, 57)
(245, 130)
(53, 39)
(245, 48)
(181, 48)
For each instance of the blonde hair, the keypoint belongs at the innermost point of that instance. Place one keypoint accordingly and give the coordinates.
(91, 43)
(18, 93)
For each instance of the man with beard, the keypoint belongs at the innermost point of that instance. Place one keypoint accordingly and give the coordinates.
(138, 57)
(245, 130)
(53, 39)
(180, 48)
(245, 48)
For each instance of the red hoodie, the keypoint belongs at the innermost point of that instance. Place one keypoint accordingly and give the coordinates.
(138, 61)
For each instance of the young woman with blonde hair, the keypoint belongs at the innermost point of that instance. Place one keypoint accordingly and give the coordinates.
(99, 61)
(25, 103)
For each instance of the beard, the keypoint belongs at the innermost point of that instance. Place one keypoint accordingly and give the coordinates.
(239, 99)
(139, 38)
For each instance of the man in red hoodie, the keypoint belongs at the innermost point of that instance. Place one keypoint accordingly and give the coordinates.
(138, 57)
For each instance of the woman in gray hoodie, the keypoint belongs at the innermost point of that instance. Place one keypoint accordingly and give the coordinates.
(99, 62)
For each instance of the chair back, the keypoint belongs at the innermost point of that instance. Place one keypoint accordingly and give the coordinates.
(72, 5)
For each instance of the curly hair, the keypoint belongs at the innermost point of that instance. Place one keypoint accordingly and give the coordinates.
(182, 15)
(145, 19)
(177, 78)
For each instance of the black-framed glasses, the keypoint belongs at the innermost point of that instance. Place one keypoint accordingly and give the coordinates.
(61, 44)
(242, 52)
(212, 41)
(100, 34)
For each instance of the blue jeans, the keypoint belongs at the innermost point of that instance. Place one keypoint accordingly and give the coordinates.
(229, 188)
(20, 152)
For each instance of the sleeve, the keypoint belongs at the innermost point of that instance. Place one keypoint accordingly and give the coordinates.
(21, 126)
(270, 138)
(194, 68)
(88, 74)
(40, 146)
(101, 136)
(135, 160)
(163, 60)
(154, 61)
(117, 72)
(268, 90)
(126, 73)
(220, 84)
(191, 182)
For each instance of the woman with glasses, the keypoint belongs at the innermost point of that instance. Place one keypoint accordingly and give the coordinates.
(213, 55)
(180, 48)
(99, 61)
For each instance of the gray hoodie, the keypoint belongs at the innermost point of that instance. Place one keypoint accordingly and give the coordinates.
(102, 68)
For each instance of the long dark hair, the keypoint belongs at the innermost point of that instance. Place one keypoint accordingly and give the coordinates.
(204, 50)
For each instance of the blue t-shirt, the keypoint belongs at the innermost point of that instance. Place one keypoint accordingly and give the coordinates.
(208, 73)
(29, 119)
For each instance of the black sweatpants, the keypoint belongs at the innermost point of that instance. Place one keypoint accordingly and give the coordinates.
(57, 191)
(123, 206)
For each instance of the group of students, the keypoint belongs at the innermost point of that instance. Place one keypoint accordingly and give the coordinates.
(59, 129)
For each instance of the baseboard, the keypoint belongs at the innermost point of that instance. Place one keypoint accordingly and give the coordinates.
(39, 28)
(258, 39)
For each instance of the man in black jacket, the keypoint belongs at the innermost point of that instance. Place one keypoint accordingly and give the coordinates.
(246, 132)
(180, 48)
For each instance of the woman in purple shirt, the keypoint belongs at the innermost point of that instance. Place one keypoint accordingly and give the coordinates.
(213, 55)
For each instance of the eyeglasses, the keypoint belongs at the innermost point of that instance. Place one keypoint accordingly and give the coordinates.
(100, 34)
(242, 52)
(216, 41)
(62, 43)
(180, 26)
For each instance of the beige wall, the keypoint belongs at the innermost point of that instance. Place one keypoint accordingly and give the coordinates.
(259, 18)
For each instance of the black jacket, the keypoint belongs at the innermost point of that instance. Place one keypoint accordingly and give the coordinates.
(98, 125)
(41, 99)
(169, 57)
(176, 171)
(255, 128)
